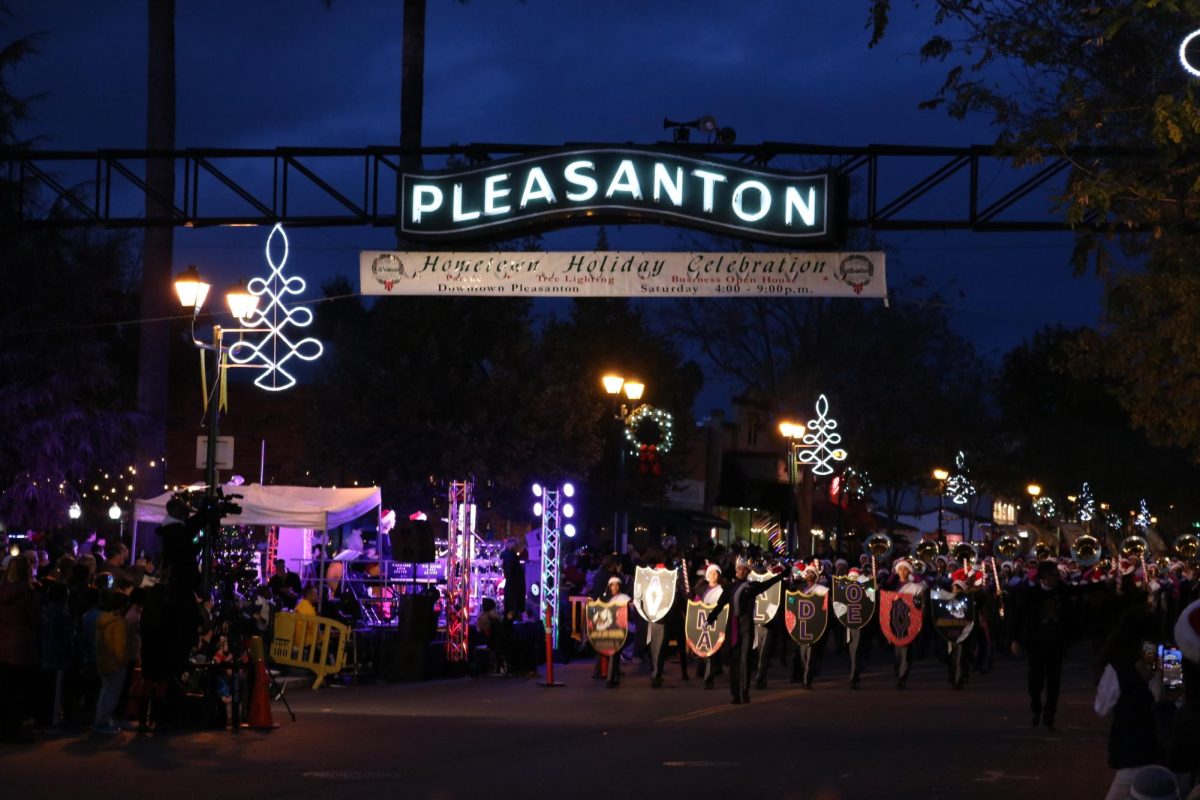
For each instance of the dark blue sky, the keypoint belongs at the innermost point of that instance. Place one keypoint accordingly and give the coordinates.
(290, 72)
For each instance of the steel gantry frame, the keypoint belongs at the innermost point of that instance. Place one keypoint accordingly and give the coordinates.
(551, 529)
(345, 186)
(458, 570)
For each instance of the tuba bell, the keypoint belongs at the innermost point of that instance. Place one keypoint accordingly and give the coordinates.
(1008, 546)
(1187, 546)
(1085, 550)
(1042, 551)
(927, 550)
(965, 553)
(919, 566)
(1134, 547)
(878, 545)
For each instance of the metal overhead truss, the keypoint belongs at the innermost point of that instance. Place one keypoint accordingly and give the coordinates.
(893, 187)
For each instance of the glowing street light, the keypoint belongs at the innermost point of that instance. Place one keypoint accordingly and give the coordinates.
(74, 511)
(614, 385)
(114, 512)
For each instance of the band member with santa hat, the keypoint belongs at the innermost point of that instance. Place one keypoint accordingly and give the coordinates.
(904, 581)
(710, 593)
(806, 662)
(739, 632)
(615, 594)
(854, 636)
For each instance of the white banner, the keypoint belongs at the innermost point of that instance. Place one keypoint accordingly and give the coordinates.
(623, 274)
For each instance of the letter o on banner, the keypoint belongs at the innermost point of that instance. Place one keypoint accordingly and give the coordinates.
(854, 593)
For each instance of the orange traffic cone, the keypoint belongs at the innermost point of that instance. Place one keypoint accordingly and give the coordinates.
(260, 696)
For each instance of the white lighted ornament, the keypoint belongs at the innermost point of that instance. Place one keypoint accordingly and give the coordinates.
(1183, 56)
(959, 486)
(819, 444)
(275, 349)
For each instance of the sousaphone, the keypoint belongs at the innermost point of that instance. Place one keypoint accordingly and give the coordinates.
(1008, 546)
(878, 545)
(1086, 550)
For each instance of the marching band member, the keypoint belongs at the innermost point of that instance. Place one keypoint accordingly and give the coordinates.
(903, 581)
(710, 595)
(807, 659)
(739, 632)
(614, 594)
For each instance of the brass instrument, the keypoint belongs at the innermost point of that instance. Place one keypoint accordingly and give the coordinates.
(965, 553)
(918, 566)
(878, 546)
(1042, 551)
(1187, 546)
(1008, 546)
(927, 550)
(1163, 563)
(1134, 547)
(1086, 550)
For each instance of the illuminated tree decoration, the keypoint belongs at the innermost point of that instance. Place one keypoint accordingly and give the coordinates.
(1113, 519)
(819, 444)
(1142, 519)
(1044, 507)
(273, 351)
(959, 486)
(1085, 504)
(650, 427)
(856, 484)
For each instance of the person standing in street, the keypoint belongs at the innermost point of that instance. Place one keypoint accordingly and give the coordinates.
(20, 614)
(112, 660)
(1040, 627)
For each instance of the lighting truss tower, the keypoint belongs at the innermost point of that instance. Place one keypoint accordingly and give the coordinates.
(550, 560)
(458, 571)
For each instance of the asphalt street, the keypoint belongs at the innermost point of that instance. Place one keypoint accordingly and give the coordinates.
(511, 737)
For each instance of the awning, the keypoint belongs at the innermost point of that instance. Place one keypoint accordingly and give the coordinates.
(285, 506)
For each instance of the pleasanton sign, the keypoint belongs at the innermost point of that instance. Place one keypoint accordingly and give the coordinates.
(598, 184)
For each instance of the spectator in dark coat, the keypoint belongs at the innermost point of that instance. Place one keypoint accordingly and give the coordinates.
(57, 653)
(20, 615)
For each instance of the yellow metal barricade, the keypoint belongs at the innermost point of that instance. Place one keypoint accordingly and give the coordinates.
(578, 603)
(315, 643)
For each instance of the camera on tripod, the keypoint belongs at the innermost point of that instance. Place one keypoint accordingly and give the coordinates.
(209, 507)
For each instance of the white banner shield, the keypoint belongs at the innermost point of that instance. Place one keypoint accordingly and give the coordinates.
(623, 274)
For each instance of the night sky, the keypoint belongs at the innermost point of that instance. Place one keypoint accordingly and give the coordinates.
(289, 72)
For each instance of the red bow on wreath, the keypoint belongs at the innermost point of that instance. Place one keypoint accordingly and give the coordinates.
(648, 462)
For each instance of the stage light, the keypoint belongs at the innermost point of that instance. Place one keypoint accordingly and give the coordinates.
(537, 490)
(568, 510)
(537, 509)
(74, 512)
(569, 530)
(568, 489)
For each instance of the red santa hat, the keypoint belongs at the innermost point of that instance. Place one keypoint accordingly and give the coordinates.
(1128, 566)
(853, 572)
(1187, 633)
(903, 562)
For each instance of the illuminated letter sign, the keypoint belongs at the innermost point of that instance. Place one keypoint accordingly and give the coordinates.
(615, 184)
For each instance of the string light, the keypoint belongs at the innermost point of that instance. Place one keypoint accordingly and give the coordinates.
(666, 428)
(275, 349)
(1142, 520)
(1085, 505)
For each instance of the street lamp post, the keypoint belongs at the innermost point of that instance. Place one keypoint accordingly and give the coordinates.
(941, 476)
(192, 291)
(1034, 491)
(615, 386)
(793, 432)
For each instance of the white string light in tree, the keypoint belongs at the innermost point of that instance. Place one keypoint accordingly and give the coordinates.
(819, 443)
(1085, 505)
(1143, 518)
(273, 351)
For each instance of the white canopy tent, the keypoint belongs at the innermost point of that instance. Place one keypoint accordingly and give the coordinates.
(285, 506)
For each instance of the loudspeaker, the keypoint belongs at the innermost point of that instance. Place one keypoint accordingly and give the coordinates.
(415, 620)
(401, 661)
(412, 542)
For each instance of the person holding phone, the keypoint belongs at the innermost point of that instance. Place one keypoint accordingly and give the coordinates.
(1180, 717)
